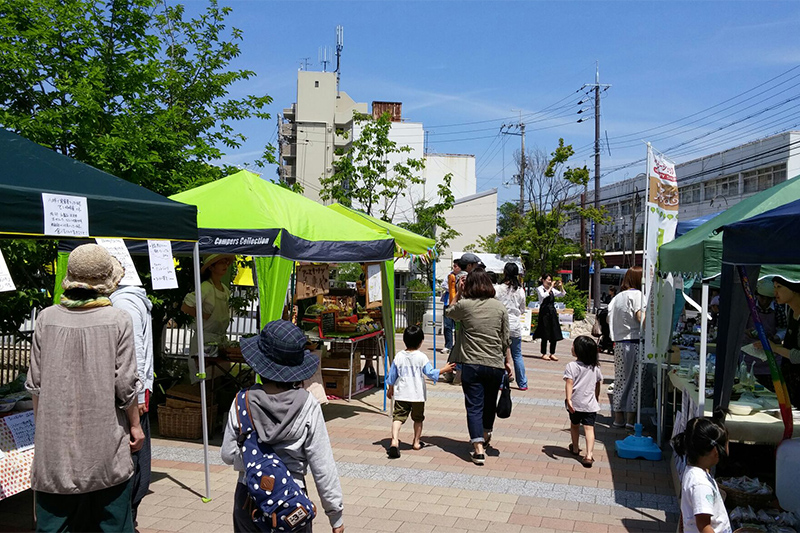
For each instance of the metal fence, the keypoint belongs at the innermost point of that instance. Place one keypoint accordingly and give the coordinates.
(15, 350)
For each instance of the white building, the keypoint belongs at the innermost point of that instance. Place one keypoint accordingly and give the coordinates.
(706, 185)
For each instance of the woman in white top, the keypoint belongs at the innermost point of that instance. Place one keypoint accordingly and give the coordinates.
(548, 327)
(624, 321)
(511, 293)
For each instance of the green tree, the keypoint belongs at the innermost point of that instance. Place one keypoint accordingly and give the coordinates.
(536, 236)
(132, 87)
(372, 173)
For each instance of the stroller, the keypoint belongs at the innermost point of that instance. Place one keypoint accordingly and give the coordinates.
(604, 342)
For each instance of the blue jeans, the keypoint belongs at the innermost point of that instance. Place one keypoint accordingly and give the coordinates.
(519, 362)
(449, 329)
(480, 385)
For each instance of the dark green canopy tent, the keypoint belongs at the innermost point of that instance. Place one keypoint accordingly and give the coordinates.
(117, 208)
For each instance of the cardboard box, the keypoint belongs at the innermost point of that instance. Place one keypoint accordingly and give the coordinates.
(675, 355)
(335, 383)
(338, 362)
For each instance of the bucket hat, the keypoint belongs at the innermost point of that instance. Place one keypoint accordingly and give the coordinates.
(90, 266)
(278, 353)
(214, 258)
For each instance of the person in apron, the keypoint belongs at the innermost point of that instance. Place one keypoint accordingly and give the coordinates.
(548, 327)
(215, 296)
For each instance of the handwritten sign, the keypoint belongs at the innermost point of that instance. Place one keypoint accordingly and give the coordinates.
(374, 285)
(312, 280)
(162, 265)
(22, 428)
(328, 322)
(117, 248)
(65, 215)
(6, 283)
(525, 325)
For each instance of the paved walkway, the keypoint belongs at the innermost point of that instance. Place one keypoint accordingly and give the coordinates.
(530, 482)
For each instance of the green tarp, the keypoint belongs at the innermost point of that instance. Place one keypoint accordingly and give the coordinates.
(699, 251)
(117, 208)
(406, 242)
(244, 214)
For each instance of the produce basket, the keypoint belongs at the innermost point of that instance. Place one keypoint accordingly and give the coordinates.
(185, 423)
(739, 498)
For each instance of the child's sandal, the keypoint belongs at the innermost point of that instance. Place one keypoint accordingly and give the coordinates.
(573, 451)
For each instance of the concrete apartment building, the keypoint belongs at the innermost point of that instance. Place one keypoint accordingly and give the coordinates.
(707, 185)
(311, 132)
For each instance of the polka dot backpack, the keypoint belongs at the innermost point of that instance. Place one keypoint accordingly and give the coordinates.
(278, 503)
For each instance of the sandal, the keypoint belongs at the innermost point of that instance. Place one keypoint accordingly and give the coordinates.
(421, 445)
(545, 357)
(553, 358)
(617, 425)
(572, 450)
(394, 453)
(587, 463)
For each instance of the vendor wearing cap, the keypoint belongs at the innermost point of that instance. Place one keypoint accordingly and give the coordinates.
(215, 296)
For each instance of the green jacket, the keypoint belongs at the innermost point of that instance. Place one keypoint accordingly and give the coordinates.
(484, 335)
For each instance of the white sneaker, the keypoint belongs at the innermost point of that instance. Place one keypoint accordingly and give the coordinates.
(445, 351)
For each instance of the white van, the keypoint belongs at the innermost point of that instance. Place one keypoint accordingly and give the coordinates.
(610, 277)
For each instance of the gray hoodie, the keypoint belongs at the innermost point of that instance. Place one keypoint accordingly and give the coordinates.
(134, 300)
(292, 423)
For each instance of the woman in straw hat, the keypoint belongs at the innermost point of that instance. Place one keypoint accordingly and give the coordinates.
(286, 417)
(215, 296)
(83, 380)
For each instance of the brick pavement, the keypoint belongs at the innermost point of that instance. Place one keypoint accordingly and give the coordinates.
(530, 482)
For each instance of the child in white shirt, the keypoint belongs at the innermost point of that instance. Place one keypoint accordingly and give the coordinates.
(406, 381)
(582, 387)
(703, 443)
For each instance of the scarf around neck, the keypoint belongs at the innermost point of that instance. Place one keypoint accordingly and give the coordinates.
(100, 301)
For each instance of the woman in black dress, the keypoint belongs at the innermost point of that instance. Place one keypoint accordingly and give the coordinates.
(548, 327)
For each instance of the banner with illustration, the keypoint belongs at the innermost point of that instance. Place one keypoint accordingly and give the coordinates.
(661, 221)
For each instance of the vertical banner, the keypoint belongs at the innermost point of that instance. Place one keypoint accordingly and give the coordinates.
(661, 221)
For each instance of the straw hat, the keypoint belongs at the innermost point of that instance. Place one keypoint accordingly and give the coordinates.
(278, 353)
(214, 258)
(90, 266)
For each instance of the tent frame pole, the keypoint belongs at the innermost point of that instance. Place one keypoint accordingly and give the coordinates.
(201, 365)
(433, 291)
(701, 379)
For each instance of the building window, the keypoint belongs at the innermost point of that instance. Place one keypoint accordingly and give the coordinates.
(764, 178)
(316, 84)
(690, 194)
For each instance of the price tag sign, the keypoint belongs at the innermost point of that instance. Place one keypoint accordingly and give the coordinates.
(6, 283)
(374, 285)
(117, 248)
(22, 428)
(65, 215)
(162, 265)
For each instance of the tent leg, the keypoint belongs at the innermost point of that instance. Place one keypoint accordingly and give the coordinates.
(701, 379)
(433, 290)
(201, 366)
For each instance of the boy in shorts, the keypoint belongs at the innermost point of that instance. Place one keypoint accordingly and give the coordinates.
(406, 381)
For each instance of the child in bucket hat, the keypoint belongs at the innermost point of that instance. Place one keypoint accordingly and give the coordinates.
(286, 417)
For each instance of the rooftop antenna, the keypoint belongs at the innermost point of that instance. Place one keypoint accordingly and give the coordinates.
(304, 63)
(325, 57)
(339, 46)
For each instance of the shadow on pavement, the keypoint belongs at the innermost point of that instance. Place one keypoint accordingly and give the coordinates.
(155, 475)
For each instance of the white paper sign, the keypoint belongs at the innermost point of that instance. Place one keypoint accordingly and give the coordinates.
(22, 428)
(6, 283)
(525, 325)
(65, 215)
(117, 248)
(374, 286)
(162, 265)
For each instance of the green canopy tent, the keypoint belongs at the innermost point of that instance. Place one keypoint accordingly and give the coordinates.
(115, 208)
(407, 244)
(698, 253)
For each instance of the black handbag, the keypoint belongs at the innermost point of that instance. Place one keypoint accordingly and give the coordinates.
(504, 403)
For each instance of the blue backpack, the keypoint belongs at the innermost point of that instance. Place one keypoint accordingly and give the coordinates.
(278, 503)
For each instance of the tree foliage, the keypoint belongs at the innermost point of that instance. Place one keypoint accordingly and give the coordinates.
(133, 87)
(373, 172)
(536, 236)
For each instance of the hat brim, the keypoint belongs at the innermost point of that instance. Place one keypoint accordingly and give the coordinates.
(269, 369)
(215, 258)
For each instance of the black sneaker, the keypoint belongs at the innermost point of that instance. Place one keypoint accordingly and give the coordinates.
(477, 458)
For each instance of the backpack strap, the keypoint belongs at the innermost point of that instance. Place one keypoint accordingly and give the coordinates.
(247, 439)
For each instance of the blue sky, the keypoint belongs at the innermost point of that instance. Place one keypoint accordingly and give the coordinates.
(452, 63)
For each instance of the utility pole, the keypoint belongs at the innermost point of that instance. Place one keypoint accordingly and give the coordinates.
(633, 225)
(521, 127)
(597, 231)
